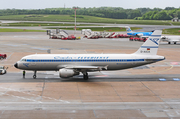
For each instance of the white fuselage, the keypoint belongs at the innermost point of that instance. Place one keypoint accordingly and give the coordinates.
(40, 62)
(171, 38)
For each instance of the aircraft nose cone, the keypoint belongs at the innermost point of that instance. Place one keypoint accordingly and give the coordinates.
(16, 65)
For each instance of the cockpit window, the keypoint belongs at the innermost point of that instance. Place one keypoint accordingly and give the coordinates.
(23, 60)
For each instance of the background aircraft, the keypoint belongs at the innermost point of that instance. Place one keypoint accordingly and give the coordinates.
(171, 39)
(70, 65)
(139, 34)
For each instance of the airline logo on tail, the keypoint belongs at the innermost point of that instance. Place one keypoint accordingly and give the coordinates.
(155, 40)
(151, 45)
(128, 29)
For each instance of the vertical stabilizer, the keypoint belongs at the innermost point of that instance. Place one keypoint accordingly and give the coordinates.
(150, 47)
(128, 29)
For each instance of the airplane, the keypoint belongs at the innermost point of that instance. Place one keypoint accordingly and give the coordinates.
(70, 65)
(139, 34)
(171, 39)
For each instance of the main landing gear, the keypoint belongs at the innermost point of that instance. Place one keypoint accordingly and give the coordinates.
(34, 76)
(170, 42)
(85, 76)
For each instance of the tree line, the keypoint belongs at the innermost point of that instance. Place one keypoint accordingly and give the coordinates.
(166, 14)
(106, 12)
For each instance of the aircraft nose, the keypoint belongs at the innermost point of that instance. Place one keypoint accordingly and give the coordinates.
(16, 65)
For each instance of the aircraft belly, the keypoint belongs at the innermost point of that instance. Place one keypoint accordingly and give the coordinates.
(120, 66)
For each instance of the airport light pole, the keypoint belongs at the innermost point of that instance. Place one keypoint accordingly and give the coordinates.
(75, 20)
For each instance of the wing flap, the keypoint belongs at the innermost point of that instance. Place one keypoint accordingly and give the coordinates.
(97, 68)
(82, 67)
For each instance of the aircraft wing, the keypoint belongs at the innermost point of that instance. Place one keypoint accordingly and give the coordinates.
(144, 36)
(140, 34)
(88, 68)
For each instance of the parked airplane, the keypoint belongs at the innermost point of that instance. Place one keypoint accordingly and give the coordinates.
(70, 65)
(139, 34)
(171, 39)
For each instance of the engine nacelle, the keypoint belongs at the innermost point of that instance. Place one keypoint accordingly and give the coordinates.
(66, 73)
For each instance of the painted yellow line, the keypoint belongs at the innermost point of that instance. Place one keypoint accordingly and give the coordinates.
(167, 69)
(156, 72)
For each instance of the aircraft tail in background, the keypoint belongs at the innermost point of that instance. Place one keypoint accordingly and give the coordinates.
(128, 29)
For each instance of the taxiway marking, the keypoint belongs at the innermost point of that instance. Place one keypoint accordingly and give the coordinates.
(30, 94)
(162, 79)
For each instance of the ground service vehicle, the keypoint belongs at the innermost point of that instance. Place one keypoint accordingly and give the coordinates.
(3, 56)
(3, 70)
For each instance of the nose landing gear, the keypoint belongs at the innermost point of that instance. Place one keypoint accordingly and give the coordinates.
(34, 76)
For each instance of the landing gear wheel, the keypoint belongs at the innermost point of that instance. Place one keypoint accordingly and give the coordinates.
(174, 42)
(169, 42)
(85, 76)
(34, 76)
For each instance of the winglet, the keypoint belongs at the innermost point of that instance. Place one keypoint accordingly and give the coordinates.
(150, 47)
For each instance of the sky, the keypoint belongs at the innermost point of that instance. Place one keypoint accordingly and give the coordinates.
(132, 4)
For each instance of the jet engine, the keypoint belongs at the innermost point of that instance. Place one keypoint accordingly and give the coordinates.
(66, 73)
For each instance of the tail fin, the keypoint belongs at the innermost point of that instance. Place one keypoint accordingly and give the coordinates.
(128, 29)
(150, 47)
